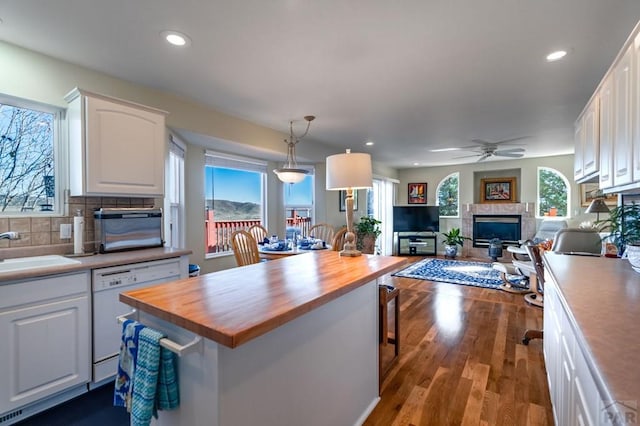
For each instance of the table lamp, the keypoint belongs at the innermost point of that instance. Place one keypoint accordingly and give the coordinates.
(597, 206)
(347, 172)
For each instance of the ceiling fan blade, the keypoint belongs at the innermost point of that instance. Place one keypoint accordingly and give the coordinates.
(510, 154)
(510, 140)
(468, 156)
(509, 151)
(483, 157)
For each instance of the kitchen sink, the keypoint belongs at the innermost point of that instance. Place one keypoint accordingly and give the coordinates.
(26, 263)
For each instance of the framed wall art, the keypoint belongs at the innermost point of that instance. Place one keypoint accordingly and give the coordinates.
(342, 196)
(591, 191)
(498, 190)
(417, 193)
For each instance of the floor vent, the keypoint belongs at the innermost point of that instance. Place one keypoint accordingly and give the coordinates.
(10, 416)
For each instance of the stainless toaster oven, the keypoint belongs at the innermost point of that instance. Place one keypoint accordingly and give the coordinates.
(120, 229)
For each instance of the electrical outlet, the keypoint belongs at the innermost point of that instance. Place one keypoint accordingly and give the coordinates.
(65, 231)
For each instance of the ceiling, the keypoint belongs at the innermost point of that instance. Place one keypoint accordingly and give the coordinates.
(410, 75)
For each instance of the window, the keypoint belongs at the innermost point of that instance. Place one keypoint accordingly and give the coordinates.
(553, 193)
(174, 198)
(234, 198)
(29, 151)
(298, 206)
(448, 195)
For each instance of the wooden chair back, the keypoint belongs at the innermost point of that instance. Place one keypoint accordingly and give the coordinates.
(337, 244)
(245, 248)
(258, 232)
(536, 258)
(322, 231)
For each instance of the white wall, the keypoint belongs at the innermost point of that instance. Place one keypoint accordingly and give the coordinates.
(30, 75)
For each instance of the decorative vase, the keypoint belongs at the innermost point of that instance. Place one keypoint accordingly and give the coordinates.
(450, 251)
(632, 253)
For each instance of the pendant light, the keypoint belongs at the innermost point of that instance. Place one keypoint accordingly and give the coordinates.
(290, 173)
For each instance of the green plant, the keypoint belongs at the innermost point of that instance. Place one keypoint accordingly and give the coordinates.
(368, 226)
(623, 225)
(453, 237)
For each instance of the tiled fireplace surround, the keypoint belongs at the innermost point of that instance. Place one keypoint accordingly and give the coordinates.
(528, 224)
(41, 235)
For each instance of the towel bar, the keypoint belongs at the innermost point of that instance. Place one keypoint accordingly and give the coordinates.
(193, 346)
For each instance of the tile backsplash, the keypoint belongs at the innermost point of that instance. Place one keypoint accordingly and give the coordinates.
(41, 235)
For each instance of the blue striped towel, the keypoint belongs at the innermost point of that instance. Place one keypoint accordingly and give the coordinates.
(126, 364)
(155, 383)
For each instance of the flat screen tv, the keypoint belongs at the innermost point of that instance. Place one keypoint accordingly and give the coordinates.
(416, 218)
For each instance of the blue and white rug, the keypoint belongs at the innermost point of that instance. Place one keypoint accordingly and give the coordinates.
(479, 274)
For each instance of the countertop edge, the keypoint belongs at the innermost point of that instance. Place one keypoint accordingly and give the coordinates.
(97, 261)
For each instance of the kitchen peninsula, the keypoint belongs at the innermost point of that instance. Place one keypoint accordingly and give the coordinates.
(286, 342)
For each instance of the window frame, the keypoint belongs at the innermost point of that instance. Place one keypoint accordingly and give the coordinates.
(223, 160)
(567, 184)
(450, 175)
(60, 156)
(175, 225)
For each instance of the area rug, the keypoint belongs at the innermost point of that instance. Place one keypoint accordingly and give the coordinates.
(479, 274)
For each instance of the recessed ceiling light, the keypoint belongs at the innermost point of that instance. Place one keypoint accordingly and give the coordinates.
(369, 143)
(416, 164)
(554, 56)
(176, 38)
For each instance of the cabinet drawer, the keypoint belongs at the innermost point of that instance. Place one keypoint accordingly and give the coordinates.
(18, 293)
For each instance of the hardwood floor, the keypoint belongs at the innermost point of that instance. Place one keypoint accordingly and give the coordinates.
(461, 359)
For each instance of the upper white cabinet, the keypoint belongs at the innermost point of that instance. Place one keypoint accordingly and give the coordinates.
(587, 140)
(622, 83)
(606, 134)
(116, 148)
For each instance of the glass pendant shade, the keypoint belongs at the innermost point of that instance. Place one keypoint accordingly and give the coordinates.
(291, 173)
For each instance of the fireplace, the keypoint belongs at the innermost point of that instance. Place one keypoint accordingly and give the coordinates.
(505, 227)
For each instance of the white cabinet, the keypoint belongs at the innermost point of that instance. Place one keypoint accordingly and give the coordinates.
(115, 147)
(622, 156)
(606, 134)
(575, 397)
(635, 118)
(587, 142)
(45, 335)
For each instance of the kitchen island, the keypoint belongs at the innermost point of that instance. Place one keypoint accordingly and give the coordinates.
(286, 342)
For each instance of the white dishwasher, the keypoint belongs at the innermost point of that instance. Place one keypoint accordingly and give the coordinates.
(107, 284)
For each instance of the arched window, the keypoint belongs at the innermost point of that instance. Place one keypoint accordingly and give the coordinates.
(448, 195)
(554, 193)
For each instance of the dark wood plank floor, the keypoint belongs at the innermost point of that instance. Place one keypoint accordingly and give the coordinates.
(461, 359)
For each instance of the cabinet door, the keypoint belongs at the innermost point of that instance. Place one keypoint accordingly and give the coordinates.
(591, 139)
(125, 149)
(606, 134)
(45, 349)
(578, 166)
(622, 156)
(636, 109)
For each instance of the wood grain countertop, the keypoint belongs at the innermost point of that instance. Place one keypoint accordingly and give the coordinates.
(602, 298)
(236, 305)
(97, 261)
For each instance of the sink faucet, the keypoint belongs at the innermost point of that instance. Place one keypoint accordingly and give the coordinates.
(8, 236)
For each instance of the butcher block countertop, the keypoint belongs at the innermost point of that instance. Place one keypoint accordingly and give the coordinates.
(602, 298)
(236, 305)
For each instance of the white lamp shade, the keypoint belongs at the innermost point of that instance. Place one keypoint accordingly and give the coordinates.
(349, 170)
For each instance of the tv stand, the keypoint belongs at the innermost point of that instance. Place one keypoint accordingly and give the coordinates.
(417, 244)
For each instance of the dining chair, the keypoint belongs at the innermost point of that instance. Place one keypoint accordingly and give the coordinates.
(322, 231)
(245, 248)
(337, 244)
(258, 232)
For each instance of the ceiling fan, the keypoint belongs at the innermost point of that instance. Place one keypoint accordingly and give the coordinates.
(484, 149)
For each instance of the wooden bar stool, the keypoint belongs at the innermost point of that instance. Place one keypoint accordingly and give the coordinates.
(386, 295)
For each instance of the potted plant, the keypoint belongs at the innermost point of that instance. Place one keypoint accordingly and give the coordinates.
(367, 231)
(623, 225)
(452, 240)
